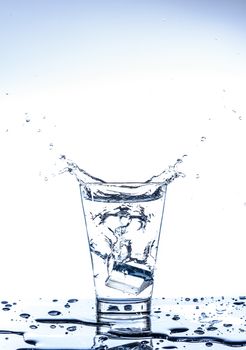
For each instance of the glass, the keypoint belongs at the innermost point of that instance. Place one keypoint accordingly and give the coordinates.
(123, 223)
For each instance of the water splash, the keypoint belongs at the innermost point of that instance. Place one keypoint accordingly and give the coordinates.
(165, 177)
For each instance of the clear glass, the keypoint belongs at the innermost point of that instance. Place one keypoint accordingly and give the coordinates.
(123, 223)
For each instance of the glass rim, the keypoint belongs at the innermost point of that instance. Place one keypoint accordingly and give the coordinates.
(124, 183)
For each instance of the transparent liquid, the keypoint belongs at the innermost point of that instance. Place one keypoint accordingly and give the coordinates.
(123, 232)
(181, 323)
(123, 222)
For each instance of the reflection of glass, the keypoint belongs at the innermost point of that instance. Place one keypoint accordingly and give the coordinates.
(123, 222)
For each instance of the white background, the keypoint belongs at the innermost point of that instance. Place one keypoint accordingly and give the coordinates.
(124, 89)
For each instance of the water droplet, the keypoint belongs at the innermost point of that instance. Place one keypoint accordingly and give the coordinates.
(239, 303)
(24, 315)
(5, 308)
(67, 305)
(234, 111)
(55, 300)
(72, 328)
(203, 138)
(28, 120)
(240, 117)
(54, 313)
(128, 307)
(51, 146)
(227, 325)
(209, 344)
(212, 328)
(197, 176)
(33, 326)
(46, 178)
(176, 318)
(72, 301)
(179, 330)
(199, 331)
(62, 156)
(52, 326)
(4, 302)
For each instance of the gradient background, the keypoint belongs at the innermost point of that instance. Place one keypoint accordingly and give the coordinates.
(123, 88)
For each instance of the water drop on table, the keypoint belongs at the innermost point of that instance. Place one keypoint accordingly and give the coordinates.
(54, 313)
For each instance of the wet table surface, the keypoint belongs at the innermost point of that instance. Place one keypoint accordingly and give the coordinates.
(72, 324)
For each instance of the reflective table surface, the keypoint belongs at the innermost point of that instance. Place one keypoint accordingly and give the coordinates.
(72, 324)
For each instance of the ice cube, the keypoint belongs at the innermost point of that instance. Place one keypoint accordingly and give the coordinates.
(129, 278)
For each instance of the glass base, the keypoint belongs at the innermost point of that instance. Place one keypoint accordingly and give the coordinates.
(124, 306)
(124, 316)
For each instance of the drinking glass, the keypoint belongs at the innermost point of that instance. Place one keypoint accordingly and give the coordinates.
(123, 223)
